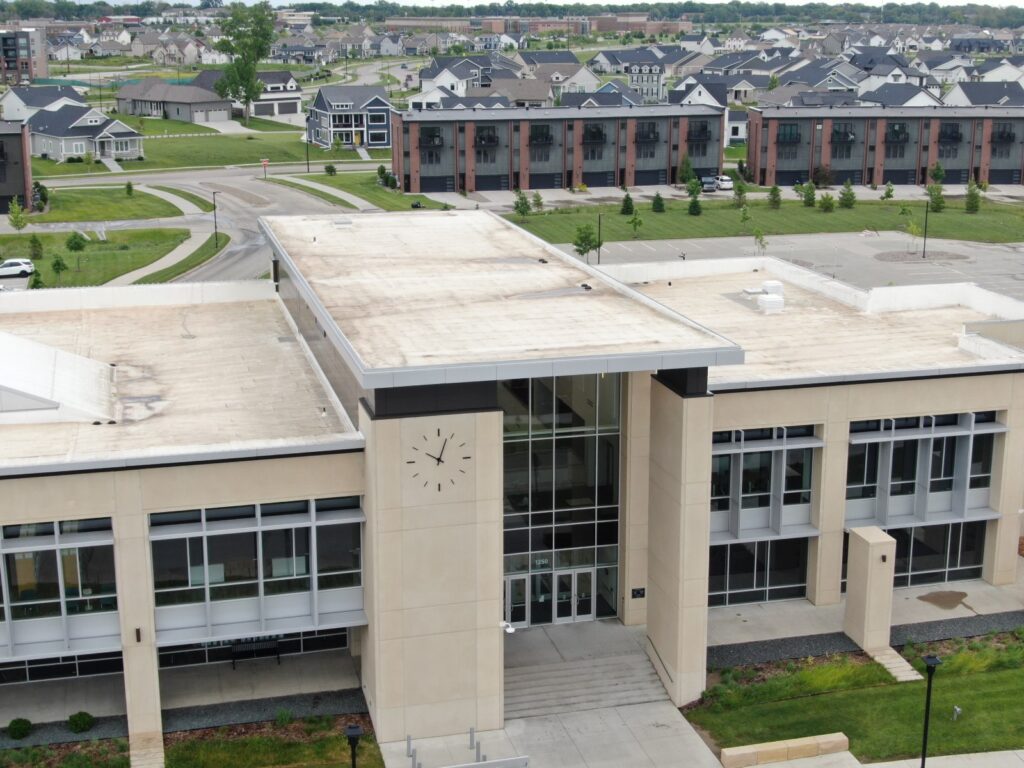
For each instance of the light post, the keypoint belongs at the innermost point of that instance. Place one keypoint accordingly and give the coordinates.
(924, 248)
(930, 662)
(216, 235)
(353, 733)
(599, 238)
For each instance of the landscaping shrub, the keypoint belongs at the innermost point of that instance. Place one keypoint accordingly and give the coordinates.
(822, 177)
(694, 208)
(80, 722)
(129, 188)
(937, 202)
(35, 248)
(19, 728)
(827, 203)
(283, 718)
(330, 170)
(889, 189)
(972, 203)
(658, 204)
(626, 209)
(847, 197)
(739, 194)
(807, 193)
(775, 197)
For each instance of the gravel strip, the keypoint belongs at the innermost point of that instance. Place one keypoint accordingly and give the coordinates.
(763, 651)
(347, 702)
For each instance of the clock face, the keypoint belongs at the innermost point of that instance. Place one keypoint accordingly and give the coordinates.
(438, 460)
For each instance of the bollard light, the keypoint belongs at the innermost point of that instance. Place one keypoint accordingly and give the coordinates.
(930, 663)
(353, 733)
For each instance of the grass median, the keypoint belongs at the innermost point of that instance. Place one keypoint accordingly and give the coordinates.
(101, 260)
(994, 223)
(233, 149)
(200, 202)
(108, 204)
(322, 194)
(199, 256)
(365, 185)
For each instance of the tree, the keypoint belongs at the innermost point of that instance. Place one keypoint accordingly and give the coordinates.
(211, 3)
(248, 32)
(694, 208)
(381, 171)
(937, 173)
(972, 203)
(538, 201)
(773, 82)
(330, 170)
(585, 240)
(760, 244)
(685, 175)
(889, 190)
(36, 281)
(739, 194)
(827, 203)
(807, 193)
(775, 197)
(744, 215)
(626, 209)
(87, 159)
(16, 216)
(847, 197)
(59, 266)
(658, 204)
(129, 188)
(521, 205)
(76, 244)
(35, 248)
(935, 198)
(914, 231)
(636, 222)
(693, 188)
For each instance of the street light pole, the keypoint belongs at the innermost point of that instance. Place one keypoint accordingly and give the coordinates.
(927, 207)
(599, 238)
(216, 235)
(931, 663)
(309, 132)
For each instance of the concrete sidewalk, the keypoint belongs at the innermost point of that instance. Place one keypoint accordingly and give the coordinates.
(358, 202)
(182, 251)
(1008, 759)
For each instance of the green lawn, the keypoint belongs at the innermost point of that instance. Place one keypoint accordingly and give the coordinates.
(325, 196)
(220, 150)
(365, 185)
(736, 152)
(995, 223)
(200, 255)
(109, 204)
(261, 124)
(41, 168)
(270, 751)
(156, 126)
(101, 261)
(882, 718)
(204, 205)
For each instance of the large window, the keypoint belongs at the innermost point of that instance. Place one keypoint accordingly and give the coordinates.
(862, 471)
(754, 572)
(57, 569)
(230, 553)
(933, 554)
(943, 464)
(561, 489)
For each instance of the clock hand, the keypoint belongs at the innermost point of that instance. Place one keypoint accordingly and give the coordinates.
(443, 446)
(435, 458)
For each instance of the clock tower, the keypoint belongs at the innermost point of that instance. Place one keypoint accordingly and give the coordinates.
(432, 653)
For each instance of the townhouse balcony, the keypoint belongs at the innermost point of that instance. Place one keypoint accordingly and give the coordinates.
(431, 141)
(698, 135)
(1003, 137)
(843, 137)
(789, 137)
(485, 140)
(541, 139)
(594, 137)
(896, 137)
(648, 137)
(950, 136)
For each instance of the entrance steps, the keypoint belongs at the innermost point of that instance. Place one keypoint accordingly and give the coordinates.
(895, 665)
(152, 757)
(573, 686)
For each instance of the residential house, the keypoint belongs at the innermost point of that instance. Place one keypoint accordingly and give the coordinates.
(981, 94)
(143, 45)
(392, 45)
(1003, 70)
(714, 94)
(176, 51)
(19, 103)
(73, 131)
(459, 73)
(104, 48)
(521, 92)
(699, 44)
(210, 55)
(281, 92)
(738, 40)
(594, 99)
(531, 59)
(153, 97)
(353, 115)
(945, 66)
(899, 95)
(479, 102)
(647, 77)
(737, 126)
(567, 78)
(63, 50)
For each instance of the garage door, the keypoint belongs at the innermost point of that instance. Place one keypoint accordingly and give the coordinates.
(288, 108)
(217, 116)
(263, 109)
(199, 116)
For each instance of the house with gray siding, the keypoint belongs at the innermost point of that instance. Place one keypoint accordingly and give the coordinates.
(74, 131)
(354, 115)
(153, 97)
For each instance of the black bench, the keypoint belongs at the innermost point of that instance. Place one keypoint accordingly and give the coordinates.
(254, 648)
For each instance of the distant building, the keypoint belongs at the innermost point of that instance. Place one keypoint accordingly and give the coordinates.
(281, 92)
(353, 115)
(74, 131)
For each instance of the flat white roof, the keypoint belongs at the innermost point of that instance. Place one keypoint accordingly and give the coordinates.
(433, 297)
(828, 331)
(202, 372)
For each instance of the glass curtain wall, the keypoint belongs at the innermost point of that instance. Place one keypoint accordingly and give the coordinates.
(561, 512)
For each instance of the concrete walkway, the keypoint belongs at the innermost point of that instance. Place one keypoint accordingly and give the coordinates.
(361, 151)
(896, 665)
(653, 735)
(229, 126)
(187, 207)
(358, 202)
(1007, 759)
(112, 165)
(182, 251)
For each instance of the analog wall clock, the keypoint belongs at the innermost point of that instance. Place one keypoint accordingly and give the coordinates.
(438, 460)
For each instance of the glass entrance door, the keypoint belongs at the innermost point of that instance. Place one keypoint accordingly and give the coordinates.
(574, 596)
(517, 601)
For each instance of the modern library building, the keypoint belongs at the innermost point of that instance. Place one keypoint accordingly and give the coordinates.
(426, 425)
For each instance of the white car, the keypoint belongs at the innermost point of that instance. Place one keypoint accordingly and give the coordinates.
(17, 268)
(724, 182)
